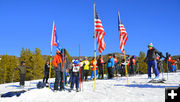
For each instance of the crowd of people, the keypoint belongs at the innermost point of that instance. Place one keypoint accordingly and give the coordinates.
(79, 69)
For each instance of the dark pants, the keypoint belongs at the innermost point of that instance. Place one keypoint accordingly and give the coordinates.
(169, 66)
(75, 80)
(123, 72)
(58, 78)
(132, 69)
(46, 77)
(101, 73)
(116, 70)
(22, 79)
(154, 65)
(86, 72)
(110, 73)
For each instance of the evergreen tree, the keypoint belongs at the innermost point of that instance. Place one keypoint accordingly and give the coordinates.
(38, 64)
(142, 64)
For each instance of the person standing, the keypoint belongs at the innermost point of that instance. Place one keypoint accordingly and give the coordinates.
(151, 60)
(123, 72)
(100, 63)
(132, 65)
(57, 63)
(115, 65)
(169, 63)
(173, 63)
(22, 73)
(93, 64)
(75, 75)
(110, 66)
(86, 65)
(46, 72)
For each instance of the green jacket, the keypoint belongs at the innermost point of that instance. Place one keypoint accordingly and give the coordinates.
(22, 69)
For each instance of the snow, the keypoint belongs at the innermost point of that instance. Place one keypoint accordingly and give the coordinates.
(114, 90)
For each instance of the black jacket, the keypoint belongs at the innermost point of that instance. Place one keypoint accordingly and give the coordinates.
(152, 54)
(46, 68)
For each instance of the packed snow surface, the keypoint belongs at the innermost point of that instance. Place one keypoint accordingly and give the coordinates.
(114, 90)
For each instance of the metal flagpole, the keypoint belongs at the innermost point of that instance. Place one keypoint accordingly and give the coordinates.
(94, 52)
(50, 68)
(50, 58)
(126, 67)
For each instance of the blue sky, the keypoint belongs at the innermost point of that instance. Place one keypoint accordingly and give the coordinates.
(28, 24)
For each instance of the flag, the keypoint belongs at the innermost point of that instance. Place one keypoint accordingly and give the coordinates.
(99, 31)
(54, 39)
(122, 34)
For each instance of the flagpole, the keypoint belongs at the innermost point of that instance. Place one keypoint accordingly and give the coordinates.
(126, 67)
(94, 52)
(124, 55)
(51, 58)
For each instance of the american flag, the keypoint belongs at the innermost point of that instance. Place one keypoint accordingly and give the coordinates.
(54, 39)
(122, 34)
(99, 31)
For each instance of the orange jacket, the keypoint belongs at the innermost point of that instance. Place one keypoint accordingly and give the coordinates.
(173, 62)
(93, 63)
(57, 59)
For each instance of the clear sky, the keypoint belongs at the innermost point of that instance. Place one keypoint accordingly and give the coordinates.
(28, 24)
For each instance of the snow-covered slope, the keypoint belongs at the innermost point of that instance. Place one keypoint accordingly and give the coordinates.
(115, 90)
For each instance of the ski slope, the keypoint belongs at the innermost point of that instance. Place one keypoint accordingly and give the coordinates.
(114, 90)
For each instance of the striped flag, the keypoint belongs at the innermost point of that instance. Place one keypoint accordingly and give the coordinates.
(122, 34)
(54, 39)
(99, 31)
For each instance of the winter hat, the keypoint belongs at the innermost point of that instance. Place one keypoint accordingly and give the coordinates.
(150, 45)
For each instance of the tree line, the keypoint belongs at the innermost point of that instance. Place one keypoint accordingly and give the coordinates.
(36, 61)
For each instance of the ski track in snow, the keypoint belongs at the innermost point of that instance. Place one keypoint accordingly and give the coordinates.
(114, 90)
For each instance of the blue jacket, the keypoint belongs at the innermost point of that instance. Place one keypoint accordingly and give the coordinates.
(110, 63)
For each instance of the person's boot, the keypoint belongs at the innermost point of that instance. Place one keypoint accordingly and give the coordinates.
(77, 90)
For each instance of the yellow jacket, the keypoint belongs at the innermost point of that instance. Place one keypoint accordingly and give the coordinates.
(86, 64)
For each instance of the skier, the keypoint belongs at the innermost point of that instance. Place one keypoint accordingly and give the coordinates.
(70, 71)
(58, 64)
(93, 63)
(86, 64)
(110, 66)
(75, 76)
(100, 63)
(169, 63)
(123, 68)
(116, 64)
(132, 65)
(46, 72)
(151, 60)
(22, 72)
(173, 63)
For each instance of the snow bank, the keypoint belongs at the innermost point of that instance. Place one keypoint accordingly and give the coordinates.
(115, 90)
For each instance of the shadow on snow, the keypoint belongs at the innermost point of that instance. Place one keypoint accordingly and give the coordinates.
(145, 86)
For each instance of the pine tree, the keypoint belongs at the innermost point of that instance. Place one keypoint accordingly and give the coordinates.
(38, 64)
(142, 65)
